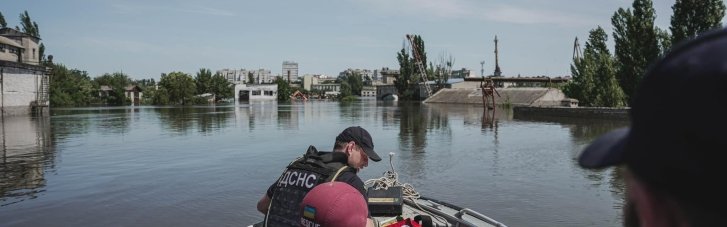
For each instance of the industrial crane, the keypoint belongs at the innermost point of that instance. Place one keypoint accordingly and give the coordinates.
(418, 63)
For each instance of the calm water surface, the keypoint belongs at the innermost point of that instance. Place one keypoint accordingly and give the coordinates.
(208, 166)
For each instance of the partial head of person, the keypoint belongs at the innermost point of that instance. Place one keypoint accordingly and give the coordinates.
(356, 142)
(674, 152)
(334, 204)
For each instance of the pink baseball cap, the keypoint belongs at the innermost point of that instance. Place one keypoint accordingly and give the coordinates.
(334, 204)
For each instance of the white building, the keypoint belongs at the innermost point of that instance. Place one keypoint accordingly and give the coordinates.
(23, 83)
(249, 92)
(241, 76)
(290, 71)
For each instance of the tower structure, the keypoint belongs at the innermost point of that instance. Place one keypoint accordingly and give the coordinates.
(497, 62)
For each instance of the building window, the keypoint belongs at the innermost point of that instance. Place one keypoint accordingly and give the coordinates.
(33, 53)
(268, 93)
(256, 92)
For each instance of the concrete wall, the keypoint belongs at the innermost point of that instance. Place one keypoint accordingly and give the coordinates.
(19, 85)
(577, 112)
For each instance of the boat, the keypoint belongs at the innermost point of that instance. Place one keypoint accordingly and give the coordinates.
(391, 202)
(428, 211)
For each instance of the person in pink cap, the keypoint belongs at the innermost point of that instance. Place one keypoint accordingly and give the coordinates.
(334, 204)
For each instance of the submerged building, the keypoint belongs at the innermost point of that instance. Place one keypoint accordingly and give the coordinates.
(24, 83)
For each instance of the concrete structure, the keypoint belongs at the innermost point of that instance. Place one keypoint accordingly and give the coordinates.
(16, 46)
(134, 94)
(23, 83)
(327, 87)
(368, 91)
(290, 71)
(388, 76)
(508, 96)
(529, 112)
(462, 73)
(309, 80)
(247, 92)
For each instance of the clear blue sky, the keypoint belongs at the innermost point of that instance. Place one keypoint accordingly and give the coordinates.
(144, 38)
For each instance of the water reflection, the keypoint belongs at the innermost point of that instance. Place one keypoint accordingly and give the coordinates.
(288, 116)
(583, 131)
(205, 119)
(26, 150)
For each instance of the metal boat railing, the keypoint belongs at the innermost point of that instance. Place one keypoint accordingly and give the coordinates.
(478, 216)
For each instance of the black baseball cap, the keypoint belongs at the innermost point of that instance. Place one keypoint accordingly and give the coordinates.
(362, 138)
(677, 140)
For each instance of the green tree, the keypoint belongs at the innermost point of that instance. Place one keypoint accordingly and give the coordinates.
(69, 87)
(345, 90)
(31, 28)
(637, 43)
(404, 83)
(692, 17)
(160, 96)
(354, 82)
(221, 87)
(3, 24)
(284, 90)
(443, 70)
(250, 78)
(179, 86)
(594, 76)
(203, 81)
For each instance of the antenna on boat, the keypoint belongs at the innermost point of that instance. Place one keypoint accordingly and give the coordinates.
(391, 161)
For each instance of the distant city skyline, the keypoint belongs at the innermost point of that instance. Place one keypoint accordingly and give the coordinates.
(147, 38)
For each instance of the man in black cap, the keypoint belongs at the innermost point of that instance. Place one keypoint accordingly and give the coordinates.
(675, 148)
(351, 151)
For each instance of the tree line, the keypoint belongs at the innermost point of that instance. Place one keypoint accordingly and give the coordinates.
(600, 78)
(74, 87)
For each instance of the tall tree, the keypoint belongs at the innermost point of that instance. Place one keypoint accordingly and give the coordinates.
(594, 76)
(637, 43)
(409, 74)
(203, 80)
(692, 17)
(221, 87)
(3, 24)
(31, 28)
(180, 87)
(250, 78)
(443, 69)
(284, 90)
(404, 82)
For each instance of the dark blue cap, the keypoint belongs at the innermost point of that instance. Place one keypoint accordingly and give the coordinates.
(677, 140)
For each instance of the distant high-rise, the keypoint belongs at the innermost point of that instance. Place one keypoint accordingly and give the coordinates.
(290, 71)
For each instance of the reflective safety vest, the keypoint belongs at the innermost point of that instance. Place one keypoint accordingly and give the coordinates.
(298, 179)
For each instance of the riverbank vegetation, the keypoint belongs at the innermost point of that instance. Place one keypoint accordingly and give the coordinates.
(604, 79)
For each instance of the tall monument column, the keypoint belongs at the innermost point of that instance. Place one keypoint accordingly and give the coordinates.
(497, 62)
